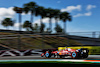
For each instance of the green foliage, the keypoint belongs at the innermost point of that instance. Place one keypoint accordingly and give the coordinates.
(48, 30)
(64, 16)
(43, 12)
(58, 29)
(18, 9)
(50, 13)
(36, 28)
(7, 22)
(42, 28)
(31, 7)
(27, 25)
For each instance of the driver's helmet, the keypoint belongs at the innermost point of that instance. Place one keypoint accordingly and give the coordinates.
(66, 48)
(69, 49)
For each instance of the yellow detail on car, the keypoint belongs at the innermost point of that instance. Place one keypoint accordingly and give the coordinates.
(61, 48)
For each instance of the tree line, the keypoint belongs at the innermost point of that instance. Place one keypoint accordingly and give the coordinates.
(43, 12)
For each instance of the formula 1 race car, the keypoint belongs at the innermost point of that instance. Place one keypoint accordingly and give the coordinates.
(79, 53)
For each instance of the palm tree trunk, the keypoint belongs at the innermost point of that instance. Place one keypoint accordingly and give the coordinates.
(64, 27)
(41, 24)
(31, 20)
(32, 17)
(20, 22)
(56, 23)
(50, 25)
(41, 21)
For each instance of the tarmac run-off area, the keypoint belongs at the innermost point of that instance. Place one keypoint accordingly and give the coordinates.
(91, 58)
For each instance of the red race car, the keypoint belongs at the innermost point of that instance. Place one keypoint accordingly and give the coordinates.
(80, 53)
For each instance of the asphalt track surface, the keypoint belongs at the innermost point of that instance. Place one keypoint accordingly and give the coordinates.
(90, 57)
(39, 58)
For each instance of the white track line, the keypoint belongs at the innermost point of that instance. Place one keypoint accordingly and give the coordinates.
(72, 60)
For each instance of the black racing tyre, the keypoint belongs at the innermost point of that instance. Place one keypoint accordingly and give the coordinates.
(56, 55)
(47, 55)
(61, 56)
(85, 55)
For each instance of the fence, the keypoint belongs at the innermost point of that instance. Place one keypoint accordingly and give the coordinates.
(94, 34)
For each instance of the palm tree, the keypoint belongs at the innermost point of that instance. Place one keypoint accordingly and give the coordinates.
(56, 16)
(50, 14)
(30, 7)
(19, 11)
(7, 22)
(36, 28)
(41, 11)
(27, 25)
(64, 16)
(42, 28)
(58, 29)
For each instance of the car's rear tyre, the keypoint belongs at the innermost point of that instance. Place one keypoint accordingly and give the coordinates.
(56, 55)
(85, 55)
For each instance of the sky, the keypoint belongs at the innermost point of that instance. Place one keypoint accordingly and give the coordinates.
(85, 13)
